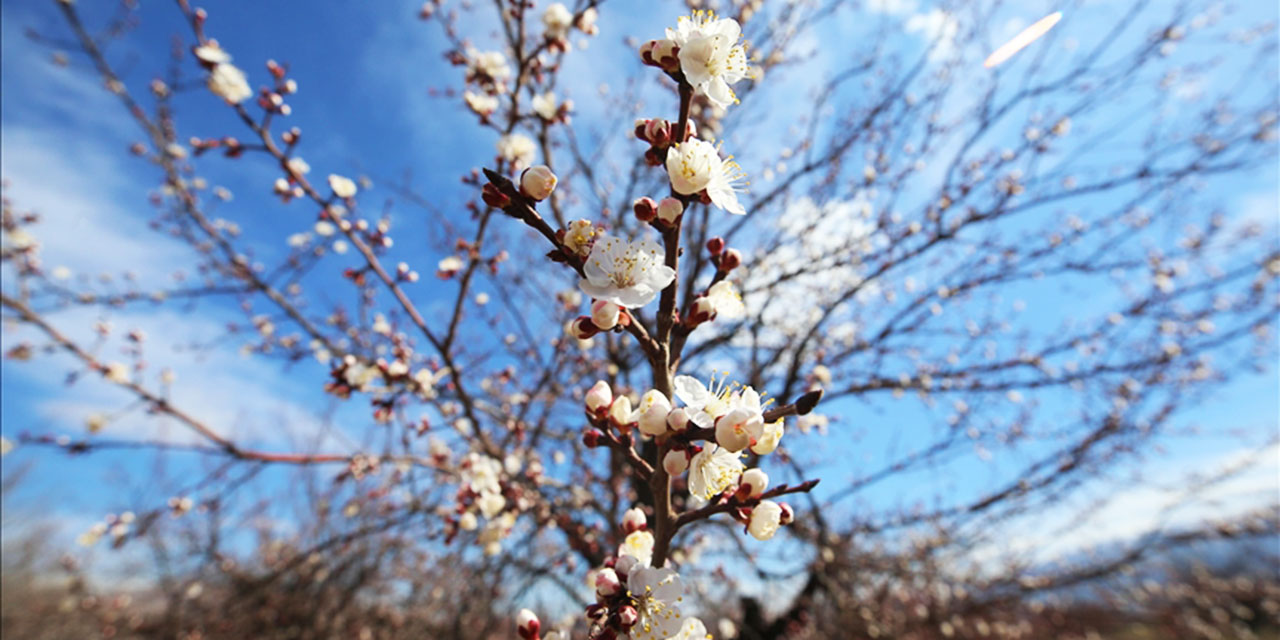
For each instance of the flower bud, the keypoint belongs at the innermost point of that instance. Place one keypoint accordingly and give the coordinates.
(788, 514)
(703, 310)
(634, 520)
(755, 481)
(646, 209)
(607, 582)
(627, 617)
(591, 438)
(620, 411)
(604, 314)
(538, 182)
(675, 462)
(599, 396)
(494, 197)
(678, 419)
(734, 429)
(715, 245)
(669, 210)
(729, 260)
(657, 132)
(662, 54)
(766, 517)
(581, 328)
(527, 625)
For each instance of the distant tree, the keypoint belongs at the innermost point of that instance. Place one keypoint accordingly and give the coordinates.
(1026, 262)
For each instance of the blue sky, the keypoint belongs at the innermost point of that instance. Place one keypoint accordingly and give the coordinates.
(365, 81)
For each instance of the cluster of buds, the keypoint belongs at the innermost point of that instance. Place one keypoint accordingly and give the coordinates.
(654, 416)
(663, 54)
(663, 215)
(660, 134)
(200, 145)
(725, 259)
(405, 274)
(605, 316)
(272, 99)
(614, 611)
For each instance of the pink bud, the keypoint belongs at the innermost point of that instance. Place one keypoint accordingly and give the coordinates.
(729, 260)
(657, 132)
(715, 245)
(678, 419)
(591, 438)
(646, 209)
(646, 53)
(788, 514)
(633, 520)
(675, 462)
(607, 582)
(670, 210)
(527, 625)
(627, 617)
(620, 411)
(581, 328)
(599, 396)
(604, 314)
(701, 312)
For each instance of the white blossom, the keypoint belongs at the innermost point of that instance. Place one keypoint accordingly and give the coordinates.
(544, 104)
(769, 439)
(491, 64)
(638, 545)
(693, 629)
(577, 238)
(557, 19)
(725, 300)
(229, 83)
(628, 274)
(657, 594)
(342, 187)
(481, 103)
(480, 473)
(713, 470)
(491, 504)
(211, 53)
(653, 411)
(695, 165)
(518, 149)
(710, 55)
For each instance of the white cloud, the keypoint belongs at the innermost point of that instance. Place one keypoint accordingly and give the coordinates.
(1162, 502)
